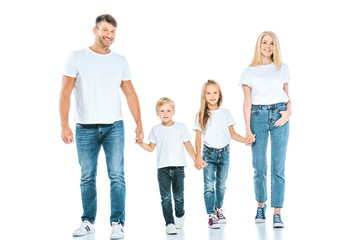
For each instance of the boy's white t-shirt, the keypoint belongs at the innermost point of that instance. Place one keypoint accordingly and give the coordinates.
(97, 85)
(266, 83)
(217, 134)
(170, 144)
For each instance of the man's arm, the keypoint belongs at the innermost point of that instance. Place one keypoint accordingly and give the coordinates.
(134, 106)
(64, 107)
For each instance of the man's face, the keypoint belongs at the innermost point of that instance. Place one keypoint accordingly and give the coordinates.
(104, 34)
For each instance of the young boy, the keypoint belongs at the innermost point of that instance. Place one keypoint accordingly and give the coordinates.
(170, 137)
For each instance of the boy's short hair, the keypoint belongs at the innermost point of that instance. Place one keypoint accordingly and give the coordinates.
(163, 101)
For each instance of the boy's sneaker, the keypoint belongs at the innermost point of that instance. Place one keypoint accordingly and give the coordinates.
(117, 231)
(220, 215)
(179, 222)
(277, 221)
(85, 228)
(171, 229)
(213, 221)
(260, 214)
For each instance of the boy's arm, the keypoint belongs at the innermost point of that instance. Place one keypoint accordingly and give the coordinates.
(147, 146)
(199, 162)
(190, 149)
(236, 136)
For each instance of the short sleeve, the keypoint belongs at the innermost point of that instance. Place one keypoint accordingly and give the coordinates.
(126, 74)
(185, 134)
(285, 73)
(70, 68)
(230, 119)
(196, 124)
(152, 136)
(245, 79)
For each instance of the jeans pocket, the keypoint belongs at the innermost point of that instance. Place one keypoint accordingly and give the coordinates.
(282, 108)
(254, 111)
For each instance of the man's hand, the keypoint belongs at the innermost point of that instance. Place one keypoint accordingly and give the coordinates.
(67, 135)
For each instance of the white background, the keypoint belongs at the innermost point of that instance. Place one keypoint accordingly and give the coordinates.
(173, 47)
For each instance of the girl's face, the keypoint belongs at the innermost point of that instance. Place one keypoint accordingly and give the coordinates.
(267, 46)
(212, 95)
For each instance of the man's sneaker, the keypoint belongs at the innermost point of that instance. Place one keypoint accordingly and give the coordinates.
(179, 222)
(117, 231)
(277, 221)
(220, 215)
(85, 228)
(171, 229)
(213, 221)
(260, 214)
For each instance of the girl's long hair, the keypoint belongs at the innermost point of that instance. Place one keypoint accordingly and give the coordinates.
(276, 56)
(204, 112)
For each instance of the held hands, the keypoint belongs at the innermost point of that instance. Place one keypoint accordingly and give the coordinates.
(139, 134)
(250, 138)
(200, 163)
(284, 118)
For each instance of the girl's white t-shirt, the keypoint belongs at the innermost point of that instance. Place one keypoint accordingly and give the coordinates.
(170, 144)
(217, 134)
(266, 83)
(97, 85)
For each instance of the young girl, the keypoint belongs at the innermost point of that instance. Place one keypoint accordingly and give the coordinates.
(267, 109)
(215, 125)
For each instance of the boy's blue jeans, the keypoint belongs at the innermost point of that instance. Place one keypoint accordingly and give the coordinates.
(89, 139)
(215, 175)
(262, 122)
(171, 177)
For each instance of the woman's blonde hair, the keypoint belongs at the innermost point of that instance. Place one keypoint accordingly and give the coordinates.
(204, 112)
(164, 100)
(275, 57)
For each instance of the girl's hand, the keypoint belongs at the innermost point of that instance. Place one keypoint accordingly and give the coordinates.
(200, 163)
(284, 118)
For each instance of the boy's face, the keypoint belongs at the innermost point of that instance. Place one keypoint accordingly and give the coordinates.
(165, 113)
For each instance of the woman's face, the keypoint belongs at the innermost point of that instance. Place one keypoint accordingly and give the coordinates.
(267, 46)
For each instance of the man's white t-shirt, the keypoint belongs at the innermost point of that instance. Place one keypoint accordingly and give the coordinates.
(170, 144)
(97, 85)
(217, 134)
(266, 83)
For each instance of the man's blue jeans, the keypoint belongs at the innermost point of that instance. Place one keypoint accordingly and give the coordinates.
(89, 139)
(215, 175)
(171, 177)
(262, 122)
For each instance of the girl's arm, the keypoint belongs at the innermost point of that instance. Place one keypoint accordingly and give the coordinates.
(247, 114)
(148, 147)
(190, 149)
(285, 114)
(199, 162)
(236, 136)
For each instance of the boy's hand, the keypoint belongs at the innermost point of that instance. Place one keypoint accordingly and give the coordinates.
(250, 139)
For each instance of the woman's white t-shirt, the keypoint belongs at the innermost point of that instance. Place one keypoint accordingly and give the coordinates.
(170, 144)
(217, 134)
(266, 83)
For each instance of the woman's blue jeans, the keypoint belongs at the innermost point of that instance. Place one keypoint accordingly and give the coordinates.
(215, 175)
(262, 122)
(89, 139)
(171, 178)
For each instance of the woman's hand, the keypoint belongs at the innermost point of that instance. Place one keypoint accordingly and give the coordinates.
(250, 138)
(284, 118)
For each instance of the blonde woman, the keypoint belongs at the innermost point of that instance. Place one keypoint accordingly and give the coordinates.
(215, 125)
(267, 109)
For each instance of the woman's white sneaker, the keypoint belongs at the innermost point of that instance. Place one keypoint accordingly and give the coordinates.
(179, 222)
(171, 229)
(85, 228)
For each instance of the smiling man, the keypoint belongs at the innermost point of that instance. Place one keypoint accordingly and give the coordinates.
(95, 74)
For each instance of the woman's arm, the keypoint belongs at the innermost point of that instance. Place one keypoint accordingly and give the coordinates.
(250, 138)
(285, 115)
